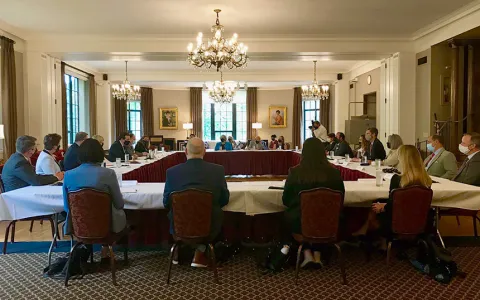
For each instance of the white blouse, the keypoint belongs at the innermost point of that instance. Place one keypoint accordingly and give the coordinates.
(46, 164)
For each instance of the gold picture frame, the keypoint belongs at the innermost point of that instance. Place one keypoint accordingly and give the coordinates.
(277, 116)
(168, 118)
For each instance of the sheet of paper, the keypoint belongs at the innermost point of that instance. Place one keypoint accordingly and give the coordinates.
(128, 190)
(126, 183)
(388, 176)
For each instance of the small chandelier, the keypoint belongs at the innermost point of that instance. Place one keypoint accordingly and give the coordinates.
(315, 91)
(218, 52)
(126, 91)
(222, 91)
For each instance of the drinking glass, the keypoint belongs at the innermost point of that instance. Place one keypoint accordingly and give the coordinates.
(347, 158)
(378, 178)
(118, 162)
(127, 160)
(378, 163)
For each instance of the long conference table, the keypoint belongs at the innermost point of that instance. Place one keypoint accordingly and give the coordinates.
(143, 186)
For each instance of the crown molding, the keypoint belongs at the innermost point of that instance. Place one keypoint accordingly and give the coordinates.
(447, 20)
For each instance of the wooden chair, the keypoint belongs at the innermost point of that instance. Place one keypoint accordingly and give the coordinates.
(14, 222)
(171, 142)
(410, 210)
(458, 212)
(320, 216)
(91, 217)
(192, 213)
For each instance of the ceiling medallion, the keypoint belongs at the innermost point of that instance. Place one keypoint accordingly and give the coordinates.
(222, 91)
(126, 91)
(218, 52)
(315, 91)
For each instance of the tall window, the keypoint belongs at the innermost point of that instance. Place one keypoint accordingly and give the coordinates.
(134, 117)
(73, 107)
(311, 112)
(228, 119)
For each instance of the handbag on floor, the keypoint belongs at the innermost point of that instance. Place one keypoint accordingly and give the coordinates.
(58, 269)
(437, 263)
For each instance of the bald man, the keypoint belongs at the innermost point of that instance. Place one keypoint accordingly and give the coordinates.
(256, 144)
(198, 174)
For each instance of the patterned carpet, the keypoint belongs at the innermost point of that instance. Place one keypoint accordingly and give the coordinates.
(21, 278)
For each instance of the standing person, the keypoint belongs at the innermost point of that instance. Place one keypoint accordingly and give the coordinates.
(192, 174)
(441, 163)
(117, 149)
(71, 160)
(394, 142)
(376, 149)
(314, 171)
(342, 148)
(18, 171)
(469, 172)
(274, 143)
(319, 131)
(47, 163)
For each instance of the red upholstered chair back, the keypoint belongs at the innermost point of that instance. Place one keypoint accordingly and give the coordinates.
(90, 213)
(320, 211)
(410, 210)
(34, 158)
(192, 213)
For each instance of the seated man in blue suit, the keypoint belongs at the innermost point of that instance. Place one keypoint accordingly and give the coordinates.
(18, 172)
(223, 144)
(198, 174)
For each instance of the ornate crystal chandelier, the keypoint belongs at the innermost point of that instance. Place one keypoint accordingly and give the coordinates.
(222, 91)
(315, 91)
(126, 91)
(218, 52)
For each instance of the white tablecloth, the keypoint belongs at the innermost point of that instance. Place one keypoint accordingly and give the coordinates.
(246, 197)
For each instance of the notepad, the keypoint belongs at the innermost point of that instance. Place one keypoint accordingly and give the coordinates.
(127, 183)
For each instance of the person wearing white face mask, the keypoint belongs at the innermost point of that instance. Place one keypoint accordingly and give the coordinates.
(469, 172)
(376, 149)
(441, 163)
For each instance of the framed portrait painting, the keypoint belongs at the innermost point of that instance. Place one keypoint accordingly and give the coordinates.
(277, 116)
(168, 118)
(445, 86)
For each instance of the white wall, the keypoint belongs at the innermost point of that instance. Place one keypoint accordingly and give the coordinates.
(342, 90)
(423, 80)
(171, 99)
(42, 95)
(266, 98)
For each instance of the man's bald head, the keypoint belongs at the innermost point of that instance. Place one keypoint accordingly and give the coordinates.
(195, 148)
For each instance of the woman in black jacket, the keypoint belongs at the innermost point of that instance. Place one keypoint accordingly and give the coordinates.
(314, 171)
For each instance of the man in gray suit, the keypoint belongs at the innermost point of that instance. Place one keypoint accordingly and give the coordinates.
(440, 163)
(469, 172)
(18, 172)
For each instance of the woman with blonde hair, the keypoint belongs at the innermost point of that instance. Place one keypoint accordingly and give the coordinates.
(413, 174)
(394, 142)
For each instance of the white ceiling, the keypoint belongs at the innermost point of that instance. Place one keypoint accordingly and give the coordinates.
(248, 17)
(151, 66)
